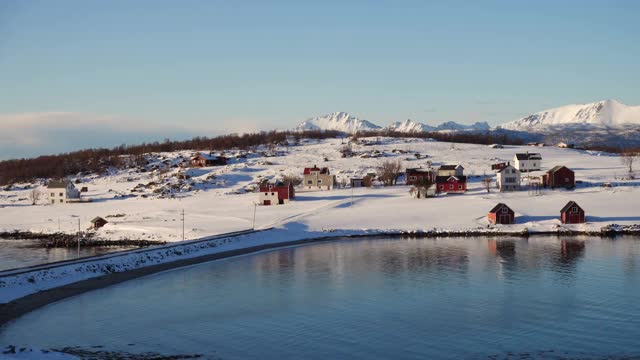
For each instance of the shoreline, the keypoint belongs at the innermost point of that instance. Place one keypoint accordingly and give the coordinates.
(22, 305)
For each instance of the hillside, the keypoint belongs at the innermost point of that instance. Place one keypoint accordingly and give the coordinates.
(145, 202)
(601, 114)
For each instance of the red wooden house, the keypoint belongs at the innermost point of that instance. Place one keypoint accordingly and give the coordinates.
(572, 213)
(202, 160)
(451, 184)
(501, 214)
(276, 192)
(560, 176)
(418, 176)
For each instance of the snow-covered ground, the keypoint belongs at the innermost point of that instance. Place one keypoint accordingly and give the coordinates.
(220, 199)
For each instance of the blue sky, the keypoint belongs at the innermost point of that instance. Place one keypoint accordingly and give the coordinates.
(141, 70)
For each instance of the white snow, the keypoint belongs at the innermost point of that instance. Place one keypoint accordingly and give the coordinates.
(223, 204)
(607, 113)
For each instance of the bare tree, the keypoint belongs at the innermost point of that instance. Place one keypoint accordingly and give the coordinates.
(486, 183)
(628, 158)
(293, 179)
(34, 196)
(389, 172)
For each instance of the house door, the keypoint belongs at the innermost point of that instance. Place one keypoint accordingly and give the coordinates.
(504, 219)
(280, 201)
(267, 202)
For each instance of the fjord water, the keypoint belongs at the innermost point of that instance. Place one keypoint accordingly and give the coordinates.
(369, 299)
(20, 253)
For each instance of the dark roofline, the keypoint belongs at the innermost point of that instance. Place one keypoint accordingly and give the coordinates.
(570, 204)
(497, 207)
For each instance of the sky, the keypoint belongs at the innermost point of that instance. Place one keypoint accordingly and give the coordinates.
(76, 74)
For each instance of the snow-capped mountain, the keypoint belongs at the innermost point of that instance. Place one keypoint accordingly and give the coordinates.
(604, 114)
(409, 126)
(340, 121)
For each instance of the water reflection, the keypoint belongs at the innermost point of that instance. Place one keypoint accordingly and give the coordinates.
(384, 298)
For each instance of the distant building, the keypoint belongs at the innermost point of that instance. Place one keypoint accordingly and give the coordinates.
(203, 160)
(451, 184)
(61, 192)
(498, 166)
(276, 192)
(572, 213)
(318, 178)
(560, 176)
(418, 176)
(420, 192)
(98, 222)
(451, 170)
(565, 145)
(501, 214)
(508, 179)
(526, 162)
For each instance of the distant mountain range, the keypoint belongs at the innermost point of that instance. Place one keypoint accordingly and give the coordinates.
(342, 121)
(603, 122)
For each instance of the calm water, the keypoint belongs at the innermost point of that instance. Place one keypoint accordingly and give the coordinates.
(20, 253)
(369, 299)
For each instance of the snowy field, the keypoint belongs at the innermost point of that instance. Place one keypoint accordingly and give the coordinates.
(221, 199)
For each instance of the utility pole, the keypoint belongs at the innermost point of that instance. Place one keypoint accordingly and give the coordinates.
(182, 224)
(255, 207)
(78, 236)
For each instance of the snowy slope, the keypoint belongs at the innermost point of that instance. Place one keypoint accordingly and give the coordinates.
(451, 125)
(340, 121)
(608, 113)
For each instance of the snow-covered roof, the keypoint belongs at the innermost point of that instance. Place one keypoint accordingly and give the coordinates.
(528, 156)
(498, 207)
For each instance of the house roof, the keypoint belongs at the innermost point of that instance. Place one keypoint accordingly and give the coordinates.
(450, 167)
(528, 156)
(569, 205)
(509, 166)
(323, 171)
(98, 219)
(54, 184)
(206, 157)
(275, 182)
(558, 167)
(441, 179)
(498, 207)
(415, 170)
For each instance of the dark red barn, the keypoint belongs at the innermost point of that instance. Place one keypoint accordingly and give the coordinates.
(418, 176)
(451, 184)
(560, 176)
(276, 192)
(572, 213)
(501, 214)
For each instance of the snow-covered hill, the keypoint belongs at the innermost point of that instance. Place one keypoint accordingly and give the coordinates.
(601, 114)
(409, 126)
(340, 121)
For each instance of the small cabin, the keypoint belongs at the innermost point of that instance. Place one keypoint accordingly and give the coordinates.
(204, 160)
(98, 222)
(501, 214)
(572, 213)
(560, 176)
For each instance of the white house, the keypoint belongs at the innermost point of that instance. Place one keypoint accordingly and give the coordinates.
(451, 170)
(527, 161)
(508, 178)
(61, 192)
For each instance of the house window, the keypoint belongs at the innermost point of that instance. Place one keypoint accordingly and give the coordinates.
(574, 209)
(266, 193)
(441, 187)
(534, 164)
(271, 194)
(451, 186)
(412, 178)
(319, 181)
(60, 200)
(53, 194)
(459, 187)
(53, 201)
(309, 182)
(60, 194)
(505, 210)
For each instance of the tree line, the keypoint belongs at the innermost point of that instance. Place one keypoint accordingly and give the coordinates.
(97, 160)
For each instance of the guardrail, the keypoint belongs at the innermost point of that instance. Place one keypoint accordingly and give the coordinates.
(52, 265)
